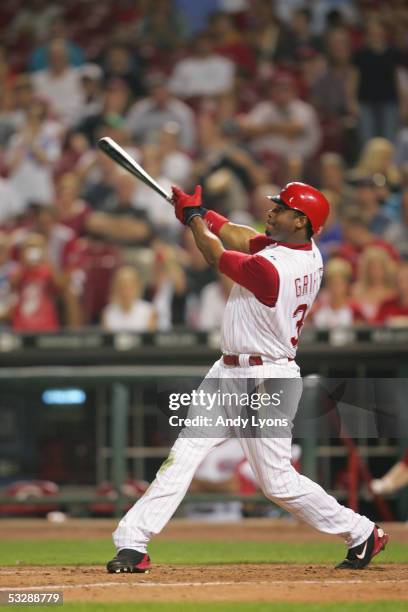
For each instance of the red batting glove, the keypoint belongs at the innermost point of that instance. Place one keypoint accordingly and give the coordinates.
(187, 206)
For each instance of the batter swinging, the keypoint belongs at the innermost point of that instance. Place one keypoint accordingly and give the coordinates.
(277, 277)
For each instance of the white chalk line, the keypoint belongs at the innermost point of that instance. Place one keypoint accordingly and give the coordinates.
(196, 584)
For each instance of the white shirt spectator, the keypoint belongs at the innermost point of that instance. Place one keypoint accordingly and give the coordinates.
(146, 119)
(202, 76)
(160, 215)
(328, 318)
(304, 145)
(178, 168)
(31, 179)
(11, 203)
(62, 91)
(136, 319)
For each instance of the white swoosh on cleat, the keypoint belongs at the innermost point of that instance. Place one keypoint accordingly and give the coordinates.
(362, 555)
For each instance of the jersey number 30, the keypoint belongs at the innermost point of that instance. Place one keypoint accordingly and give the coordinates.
(300, 310)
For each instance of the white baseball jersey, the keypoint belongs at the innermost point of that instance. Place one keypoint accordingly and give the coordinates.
(251, 327)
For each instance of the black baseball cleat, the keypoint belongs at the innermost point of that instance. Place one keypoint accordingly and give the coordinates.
(361, 555)
(129, 561)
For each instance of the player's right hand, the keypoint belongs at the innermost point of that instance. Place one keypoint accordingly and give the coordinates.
(187, 206)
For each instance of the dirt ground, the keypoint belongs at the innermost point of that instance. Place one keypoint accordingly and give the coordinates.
(232, 582)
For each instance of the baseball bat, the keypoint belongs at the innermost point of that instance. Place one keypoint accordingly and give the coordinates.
(119, 155)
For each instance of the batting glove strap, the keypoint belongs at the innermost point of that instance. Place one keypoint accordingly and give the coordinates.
(193, 211)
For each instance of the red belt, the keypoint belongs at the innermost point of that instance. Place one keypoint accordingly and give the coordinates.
(253, 360)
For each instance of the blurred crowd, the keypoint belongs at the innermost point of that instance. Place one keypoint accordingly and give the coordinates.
(240, 96)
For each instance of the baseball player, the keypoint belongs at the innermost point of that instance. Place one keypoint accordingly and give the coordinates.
(277, 276)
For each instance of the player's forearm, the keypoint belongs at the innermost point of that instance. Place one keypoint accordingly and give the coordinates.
(237, 237)
(209, 245)
(233, 236)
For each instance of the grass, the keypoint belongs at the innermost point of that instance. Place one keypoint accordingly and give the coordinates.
(98, 551)
(377, 606)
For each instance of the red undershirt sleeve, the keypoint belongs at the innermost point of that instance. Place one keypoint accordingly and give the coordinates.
(253, 272)
(258, 243)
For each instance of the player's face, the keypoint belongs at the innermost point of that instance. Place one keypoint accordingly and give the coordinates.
(280, 222)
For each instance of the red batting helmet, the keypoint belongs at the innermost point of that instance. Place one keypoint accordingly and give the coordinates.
(310, 201)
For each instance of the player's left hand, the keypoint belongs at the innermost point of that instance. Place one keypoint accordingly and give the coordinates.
(187, 206)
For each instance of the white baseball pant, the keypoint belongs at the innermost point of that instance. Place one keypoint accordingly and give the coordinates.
(270, 459)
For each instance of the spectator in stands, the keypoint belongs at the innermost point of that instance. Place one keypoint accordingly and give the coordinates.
(333, 14)
(227, 191)
(397, 232)
(34, 20)
(266, 36)
(230, 42)
(60, 83)
(162, 27)
(167, 284)
(299, 37)
(13, 115)
(202, 72)
(32, 154)
(331, 92)
(394, 312)
(366, 199)
(11, 204)
(119, 62)
(375, 282)
(127, 311)
(286, 126)
(74, 151)
(154, 208)
(73, 212)
(98, 174)
(7, 271)
(378, 158)
(120, 223)
(92, 94)
(333, 178)
(110, 119)
(37, 288)
(123, 223)
(334, 307)
(39, 60)
(176, 164)
(147, 117)
(213, 299)
(357, 238)
(376, 84)
(186, 305)
(91, 263)
(59, 238)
